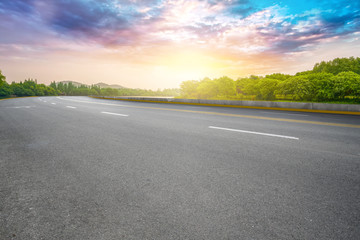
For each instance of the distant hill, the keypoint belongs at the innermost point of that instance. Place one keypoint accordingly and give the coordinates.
(101, 85)
(76, 84)
(104, 85)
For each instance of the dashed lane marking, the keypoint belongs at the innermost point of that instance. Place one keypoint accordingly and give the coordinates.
(70, 107)
(117, 114)
(257, 133)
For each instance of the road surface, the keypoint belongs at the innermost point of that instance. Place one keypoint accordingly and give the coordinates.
(83, 168)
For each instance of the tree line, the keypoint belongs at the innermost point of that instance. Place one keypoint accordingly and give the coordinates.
(70, 89)
(336, 80)
(30, 87)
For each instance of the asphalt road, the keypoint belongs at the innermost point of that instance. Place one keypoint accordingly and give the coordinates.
(82, 168)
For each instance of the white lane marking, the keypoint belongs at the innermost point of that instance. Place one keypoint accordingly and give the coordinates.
(70, 107)
(258, 133)
(20, 107)
(53, 103)
(44, 101)
(284, 113)
(108, 104)
(117, 114)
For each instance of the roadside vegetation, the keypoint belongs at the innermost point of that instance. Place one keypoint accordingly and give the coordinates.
(83, 90)
(336, 81)
(27, 88)
(333, 81)
(30, 87)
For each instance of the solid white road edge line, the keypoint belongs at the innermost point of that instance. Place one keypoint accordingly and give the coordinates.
(258, 133)
(294, 114)
(70, 107)
(117, 114)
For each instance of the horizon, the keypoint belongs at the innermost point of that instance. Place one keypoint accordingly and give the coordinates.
(159, 44)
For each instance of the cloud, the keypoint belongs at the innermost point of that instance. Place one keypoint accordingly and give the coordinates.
(299, 33)
(342, 24)
(239, 25)
(19, 6)
(104, 22)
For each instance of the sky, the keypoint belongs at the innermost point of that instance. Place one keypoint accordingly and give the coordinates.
(155, 44)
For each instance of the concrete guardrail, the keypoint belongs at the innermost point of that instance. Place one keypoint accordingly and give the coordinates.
(287, 106)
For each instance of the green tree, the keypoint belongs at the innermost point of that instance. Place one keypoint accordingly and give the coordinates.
(278, 76)
(40, 90)
(248, 86)
(61, 88)
(53, 85)
(109, 92)
(338, 65)
(265, 88)
(346, 84)
(49, 91)
(188, 89)
(304, 73)
(323, 86)
(5, 89)
(95, 90)
(207, 89)
(225, 87)
(2, 77)
(300, 87)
